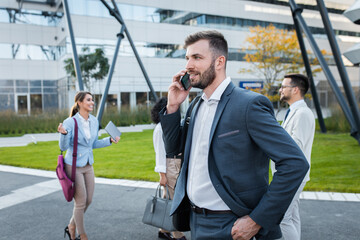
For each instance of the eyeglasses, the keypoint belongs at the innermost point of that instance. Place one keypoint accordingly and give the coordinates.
(286, 86)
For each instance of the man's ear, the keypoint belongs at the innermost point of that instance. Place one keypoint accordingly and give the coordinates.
(296, 89)
(220, 62)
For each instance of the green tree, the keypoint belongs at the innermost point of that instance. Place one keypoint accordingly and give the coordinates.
(94, 66)
(272, 53)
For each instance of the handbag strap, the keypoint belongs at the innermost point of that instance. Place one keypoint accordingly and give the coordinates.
(158, 192)
(73, 170)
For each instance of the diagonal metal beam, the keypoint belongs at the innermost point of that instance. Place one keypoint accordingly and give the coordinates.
(310, 75)
(117, 15)
(73, 45)
(339, 63)
(111, 71)
(296, 10)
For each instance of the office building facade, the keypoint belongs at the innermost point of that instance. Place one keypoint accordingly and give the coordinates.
(34, 42)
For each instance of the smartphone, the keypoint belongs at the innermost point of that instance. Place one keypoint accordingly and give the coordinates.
(185, 81)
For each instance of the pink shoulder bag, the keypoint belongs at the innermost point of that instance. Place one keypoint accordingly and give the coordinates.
(68, 184)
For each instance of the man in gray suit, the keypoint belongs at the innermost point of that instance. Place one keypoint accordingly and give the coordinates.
(231, 136)
(299, 122)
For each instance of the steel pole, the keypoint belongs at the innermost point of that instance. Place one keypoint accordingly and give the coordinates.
(73, 45)
(339, 63)
(117, 15)
(111, 71)
(310, 75)
(297, 14)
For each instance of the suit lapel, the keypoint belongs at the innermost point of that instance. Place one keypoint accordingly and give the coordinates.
(93, 129)
(220, 108)
(291, 114)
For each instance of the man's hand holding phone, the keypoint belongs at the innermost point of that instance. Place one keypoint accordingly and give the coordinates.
(185, 81)
(177, 93)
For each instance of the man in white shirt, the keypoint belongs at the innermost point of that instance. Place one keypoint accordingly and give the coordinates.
(168, 168)
(232, 132)
(299, 122)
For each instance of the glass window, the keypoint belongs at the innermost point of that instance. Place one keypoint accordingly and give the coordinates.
(50, 87)
(49, 83)
(6, 51)
(36, 103)
(111, 101)
(22, 104)
(7, 101)
(125, 100)
(6, 83)
(141, 99)
(35, 86)
(50, 101)
(77, 7)
(21, 86)
(36, 17)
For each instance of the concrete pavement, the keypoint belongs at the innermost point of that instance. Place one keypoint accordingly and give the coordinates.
(32, 206)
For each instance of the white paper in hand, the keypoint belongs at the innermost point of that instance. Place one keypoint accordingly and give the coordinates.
(112, 130)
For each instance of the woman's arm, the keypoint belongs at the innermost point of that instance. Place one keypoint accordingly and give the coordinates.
(65, 129)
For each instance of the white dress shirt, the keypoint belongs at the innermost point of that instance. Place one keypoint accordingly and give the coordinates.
(159, 147)
(200, 189)
(85, 126)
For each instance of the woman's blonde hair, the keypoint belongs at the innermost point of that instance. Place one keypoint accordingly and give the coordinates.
(79, 97)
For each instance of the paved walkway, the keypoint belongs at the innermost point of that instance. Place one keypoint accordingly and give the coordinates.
(41, 137)
(306, 195)
(30, 198)
(32, 207)
(44, 137)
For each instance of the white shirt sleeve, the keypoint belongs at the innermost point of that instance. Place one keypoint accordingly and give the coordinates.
(159, 147)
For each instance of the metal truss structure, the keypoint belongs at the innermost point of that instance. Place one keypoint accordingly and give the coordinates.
(351, 113)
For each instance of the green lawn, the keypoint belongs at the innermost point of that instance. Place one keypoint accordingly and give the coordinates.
(335, 160)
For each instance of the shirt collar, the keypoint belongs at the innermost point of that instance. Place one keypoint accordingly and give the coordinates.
(83, 119)
(297, 103)
(218, 91)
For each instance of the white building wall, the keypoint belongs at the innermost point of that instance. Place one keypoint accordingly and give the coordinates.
(128, 76)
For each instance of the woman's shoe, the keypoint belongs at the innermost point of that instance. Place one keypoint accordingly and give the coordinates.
(66, 231)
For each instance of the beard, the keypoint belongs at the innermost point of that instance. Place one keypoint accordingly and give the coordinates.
(206, 78)
(284, 98)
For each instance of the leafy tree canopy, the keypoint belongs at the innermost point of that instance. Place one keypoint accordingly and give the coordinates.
(272, 53)
(94, 66)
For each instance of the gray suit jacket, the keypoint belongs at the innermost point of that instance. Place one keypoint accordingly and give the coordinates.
(243, 137)
(300, 124)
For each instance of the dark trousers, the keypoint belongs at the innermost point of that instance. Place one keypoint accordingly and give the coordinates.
(211, 226)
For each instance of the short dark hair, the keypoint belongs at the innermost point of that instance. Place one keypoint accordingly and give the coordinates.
(159, 105)
(299, 80)
(217, 42)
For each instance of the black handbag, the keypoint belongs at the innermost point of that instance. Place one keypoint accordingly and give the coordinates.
(157, 211)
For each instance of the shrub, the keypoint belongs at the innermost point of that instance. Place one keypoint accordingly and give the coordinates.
(337, 122)
(12, 124)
